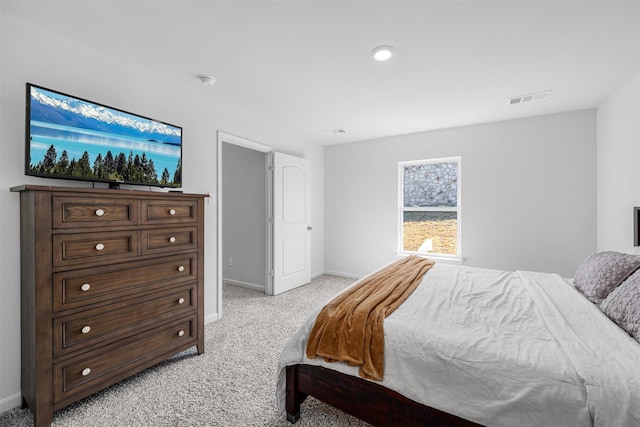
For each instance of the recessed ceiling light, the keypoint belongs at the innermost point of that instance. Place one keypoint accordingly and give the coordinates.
(383, 53)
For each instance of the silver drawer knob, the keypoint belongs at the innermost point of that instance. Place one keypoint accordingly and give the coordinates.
(172, 211)
(181, 333)
(85, 287)
(181, 301)
(86, 329)
(172, 239)
(86, 371)
(99, 247)
(181, 268)
(99, 212)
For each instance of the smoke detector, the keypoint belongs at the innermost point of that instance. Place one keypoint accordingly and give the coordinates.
(207, 80)
(538, 96)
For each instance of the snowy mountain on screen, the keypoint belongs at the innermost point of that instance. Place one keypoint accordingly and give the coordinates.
(63, 110)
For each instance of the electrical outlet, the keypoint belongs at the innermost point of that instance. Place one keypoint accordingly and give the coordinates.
(230, 261)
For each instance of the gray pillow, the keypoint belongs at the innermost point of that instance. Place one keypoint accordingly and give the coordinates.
(623, 305)
(602, 272)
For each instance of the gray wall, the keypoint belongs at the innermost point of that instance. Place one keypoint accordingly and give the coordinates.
(528, 194)
(618, 166)
(243, 216)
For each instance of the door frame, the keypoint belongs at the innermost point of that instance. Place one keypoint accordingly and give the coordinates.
(229, 138)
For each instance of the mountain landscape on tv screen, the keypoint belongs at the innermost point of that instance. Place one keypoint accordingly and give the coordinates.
(79, 139)
(76, 113)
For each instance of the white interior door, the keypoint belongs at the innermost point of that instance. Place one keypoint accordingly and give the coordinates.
(291, 223)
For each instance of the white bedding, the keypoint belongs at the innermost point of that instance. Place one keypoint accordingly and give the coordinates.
(502, 349)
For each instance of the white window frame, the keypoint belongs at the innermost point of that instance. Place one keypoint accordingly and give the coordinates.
(457, 209)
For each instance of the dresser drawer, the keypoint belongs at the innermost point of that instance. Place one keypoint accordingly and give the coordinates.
(84, 374)
(79, 288)
(119, 320)
(169, 240)
(71, 249)
(74, 212)
(169, 211)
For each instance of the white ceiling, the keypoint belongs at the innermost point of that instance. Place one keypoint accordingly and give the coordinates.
(305, 65)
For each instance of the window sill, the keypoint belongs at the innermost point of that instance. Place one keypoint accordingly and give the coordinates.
(442, 259)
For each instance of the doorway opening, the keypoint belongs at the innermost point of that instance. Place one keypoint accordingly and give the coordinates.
(243, 232)
(263, 209)
(244, 217)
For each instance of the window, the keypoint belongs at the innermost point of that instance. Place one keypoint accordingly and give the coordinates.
(429, 214)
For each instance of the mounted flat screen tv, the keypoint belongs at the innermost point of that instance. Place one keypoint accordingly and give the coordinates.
(72, 138)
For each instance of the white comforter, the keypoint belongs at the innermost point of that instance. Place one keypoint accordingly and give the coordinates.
(502, 349)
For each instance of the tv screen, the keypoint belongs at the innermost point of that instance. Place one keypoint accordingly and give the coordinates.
(72, 138)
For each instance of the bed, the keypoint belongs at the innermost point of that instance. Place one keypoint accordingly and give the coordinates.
(492, 348)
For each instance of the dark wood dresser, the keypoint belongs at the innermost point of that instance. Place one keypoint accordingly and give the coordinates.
(112, 283)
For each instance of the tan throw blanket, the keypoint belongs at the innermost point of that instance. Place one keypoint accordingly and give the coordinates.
(351, 327)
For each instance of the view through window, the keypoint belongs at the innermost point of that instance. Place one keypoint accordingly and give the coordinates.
(430, 207)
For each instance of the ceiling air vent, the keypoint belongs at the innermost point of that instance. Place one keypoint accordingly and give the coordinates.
(538, 96)
(336, 131)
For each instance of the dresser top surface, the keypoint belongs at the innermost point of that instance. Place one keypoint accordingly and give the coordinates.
(104, 191)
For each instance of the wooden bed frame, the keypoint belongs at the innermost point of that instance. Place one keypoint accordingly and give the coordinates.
(364, 399)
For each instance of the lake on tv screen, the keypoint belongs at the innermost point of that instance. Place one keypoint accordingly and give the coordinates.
(76, 141)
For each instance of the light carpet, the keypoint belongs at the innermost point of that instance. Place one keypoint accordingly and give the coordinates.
(232, 384)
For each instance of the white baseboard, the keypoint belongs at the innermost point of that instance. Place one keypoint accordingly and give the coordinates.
(10, 402)
(343, 274)
(244, 284)
(211, 318)
(320, 273)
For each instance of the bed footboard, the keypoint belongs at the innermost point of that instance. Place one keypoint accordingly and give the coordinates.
(294, 396)
(364, 399)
